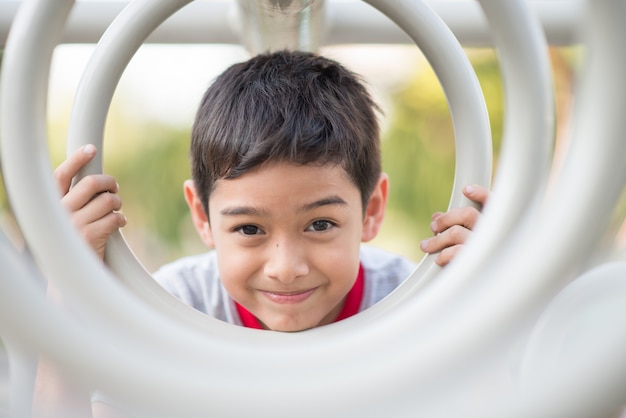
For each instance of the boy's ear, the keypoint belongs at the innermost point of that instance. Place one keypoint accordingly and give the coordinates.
(375, 210)
(199, 216)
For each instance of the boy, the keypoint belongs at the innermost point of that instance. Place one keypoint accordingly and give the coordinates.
(287, 183)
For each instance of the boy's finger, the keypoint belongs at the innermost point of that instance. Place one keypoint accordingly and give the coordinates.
(72, 165)
(451, 237)
(447, 254)
(476, 193)
(97, 233)
(466, 217)
(86, 189)
(435, 215)
(97, 208)
(103, 227)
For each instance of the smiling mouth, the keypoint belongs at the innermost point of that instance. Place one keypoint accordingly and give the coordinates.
(288, 297)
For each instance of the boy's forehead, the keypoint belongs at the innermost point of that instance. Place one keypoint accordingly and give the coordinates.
(307, 173)
(288, 180)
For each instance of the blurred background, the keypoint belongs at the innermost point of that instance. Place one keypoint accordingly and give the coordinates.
(148, 129)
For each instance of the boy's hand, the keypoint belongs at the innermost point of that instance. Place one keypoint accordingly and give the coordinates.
(452, 228)
(93, 202)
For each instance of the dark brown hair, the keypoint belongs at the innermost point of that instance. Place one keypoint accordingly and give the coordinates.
(294, 107)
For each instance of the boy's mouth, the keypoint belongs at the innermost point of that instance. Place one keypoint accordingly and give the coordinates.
(288, 297)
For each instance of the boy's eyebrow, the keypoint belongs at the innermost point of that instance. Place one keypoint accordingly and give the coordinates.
(331, 200)
(243, 210)
(254, 211)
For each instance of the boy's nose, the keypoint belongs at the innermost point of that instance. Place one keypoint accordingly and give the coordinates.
(286, 262)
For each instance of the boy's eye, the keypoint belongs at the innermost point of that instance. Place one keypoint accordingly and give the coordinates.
(249, 230)
(320, 226)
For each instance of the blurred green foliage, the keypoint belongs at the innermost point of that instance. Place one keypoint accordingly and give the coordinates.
(151, 187)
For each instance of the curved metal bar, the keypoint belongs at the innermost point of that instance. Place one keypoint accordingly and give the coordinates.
(469, 117)
(18, 177)
(87, 120)
(568, 226)
(527, 140)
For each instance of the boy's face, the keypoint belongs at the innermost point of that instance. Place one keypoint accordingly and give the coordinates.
(287, 239)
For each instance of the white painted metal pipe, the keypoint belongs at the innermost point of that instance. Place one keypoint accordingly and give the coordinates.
(346, 22)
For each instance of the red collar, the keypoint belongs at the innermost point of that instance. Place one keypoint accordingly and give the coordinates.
(350, 306)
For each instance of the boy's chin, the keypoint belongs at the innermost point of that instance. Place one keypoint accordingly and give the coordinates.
(287, 326)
